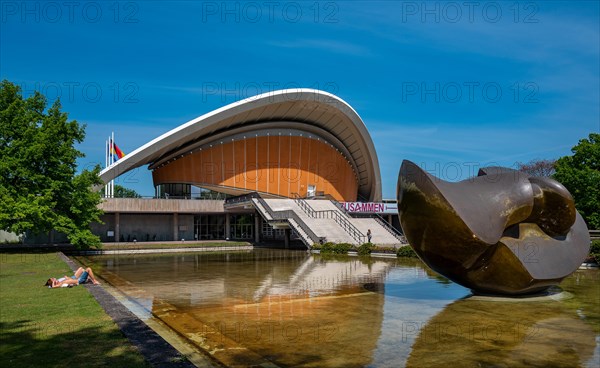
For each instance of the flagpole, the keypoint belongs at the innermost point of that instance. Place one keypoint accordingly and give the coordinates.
(106, 165)
(112, 182)
(110, 143)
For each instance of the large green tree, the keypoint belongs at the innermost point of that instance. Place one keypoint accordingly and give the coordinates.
(580, 174)
(39, 187)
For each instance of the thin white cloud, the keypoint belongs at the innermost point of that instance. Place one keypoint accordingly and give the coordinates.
(552, 40)
(335, 46)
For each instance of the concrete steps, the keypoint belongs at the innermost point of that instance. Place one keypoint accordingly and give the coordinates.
(380, 234)
(327, 228)
(265, 214)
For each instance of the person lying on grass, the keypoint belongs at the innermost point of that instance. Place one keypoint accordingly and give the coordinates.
(81, 276)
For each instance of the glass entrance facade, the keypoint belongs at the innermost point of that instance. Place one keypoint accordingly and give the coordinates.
(242, 226)
(209, 227)
(212, 227)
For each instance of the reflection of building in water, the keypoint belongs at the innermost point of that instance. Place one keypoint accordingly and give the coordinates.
(316, 277)
(260, 307)
(189, 280)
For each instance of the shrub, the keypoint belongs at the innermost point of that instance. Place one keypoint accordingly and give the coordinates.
(365, 249)
(342, 248)
(595, 250)
(327, 248)
(406, 251)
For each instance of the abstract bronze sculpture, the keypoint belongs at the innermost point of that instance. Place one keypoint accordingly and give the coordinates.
(501, 232)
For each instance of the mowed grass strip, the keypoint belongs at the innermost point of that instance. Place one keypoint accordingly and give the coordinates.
(64, 327)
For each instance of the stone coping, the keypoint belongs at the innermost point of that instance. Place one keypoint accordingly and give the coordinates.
(355, 254)
(163, 250)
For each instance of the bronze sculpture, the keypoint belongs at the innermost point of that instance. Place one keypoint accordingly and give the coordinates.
(501, 232)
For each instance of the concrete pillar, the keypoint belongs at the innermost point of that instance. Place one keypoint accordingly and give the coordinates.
(117, 226)
(390, 219)
(227, 226)
(287, 233)
(175, 226)
(257, 227)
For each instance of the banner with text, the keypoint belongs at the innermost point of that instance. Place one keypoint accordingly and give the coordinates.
(371, 207)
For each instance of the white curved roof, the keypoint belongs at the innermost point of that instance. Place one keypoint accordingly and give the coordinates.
(312, 108)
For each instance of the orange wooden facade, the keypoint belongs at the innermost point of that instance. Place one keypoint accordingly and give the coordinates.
(278, 164)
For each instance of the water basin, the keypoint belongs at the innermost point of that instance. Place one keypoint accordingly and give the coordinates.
(289, 308)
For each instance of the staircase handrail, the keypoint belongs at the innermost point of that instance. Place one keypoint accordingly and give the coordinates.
(286, 215)
(338, 204)
(340, 219)
(392, 230)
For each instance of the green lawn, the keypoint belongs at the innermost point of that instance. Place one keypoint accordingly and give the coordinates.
(41, 327)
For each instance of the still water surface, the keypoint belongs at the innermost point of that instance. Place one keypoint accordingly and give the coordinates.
(289, 308)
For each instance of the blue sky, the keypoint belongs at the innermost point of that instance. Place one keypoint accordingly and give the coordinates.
(452, 86)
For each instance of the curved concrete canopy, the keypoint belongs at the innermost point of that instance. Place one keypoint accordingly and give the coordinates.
(313, 108)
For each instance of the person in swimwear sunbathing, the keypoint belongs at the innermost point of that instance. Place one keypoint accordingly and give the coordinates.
(81, 276)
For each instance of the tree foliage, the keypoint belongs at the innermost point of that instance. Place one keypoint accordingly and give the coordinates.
(39, 188)
(122, 192)
(580, 174)
(538, 167)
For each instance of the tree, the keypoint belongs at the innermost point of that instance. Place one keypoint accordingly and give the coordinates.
(538, 167)
(39, 188)
(580, 174)
(122, 192)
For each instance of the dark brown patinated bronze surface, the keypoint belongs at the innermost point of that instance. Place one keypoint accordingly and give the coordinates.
(501, 232)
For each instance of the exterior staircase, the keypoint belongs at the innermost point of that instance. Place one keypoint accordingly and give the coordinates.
(382, 233)
(321, 220)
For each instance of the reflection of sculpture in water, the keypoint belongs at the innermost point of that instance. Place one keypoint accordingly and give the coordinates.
(502, 232)
(479, 333)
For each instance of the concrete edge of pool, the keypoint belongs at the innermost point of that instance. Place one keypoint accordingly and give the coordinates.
(163, 250)
(157, 351)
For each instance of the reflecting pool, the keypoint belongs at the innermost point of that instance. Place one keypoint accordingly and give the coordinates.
(289, 308)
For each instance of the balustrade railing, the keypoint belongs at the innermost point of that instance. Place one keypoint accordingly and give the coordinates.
(392, 230)
(286, 215)
(339, 218)
(241, 198)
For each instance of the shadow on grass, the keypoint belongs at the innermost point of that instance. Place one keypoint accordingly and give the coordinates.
(27, 344)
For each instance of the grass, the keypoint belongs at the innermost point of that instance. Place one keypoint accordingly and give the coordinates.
(41, 327)
(136, 246)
